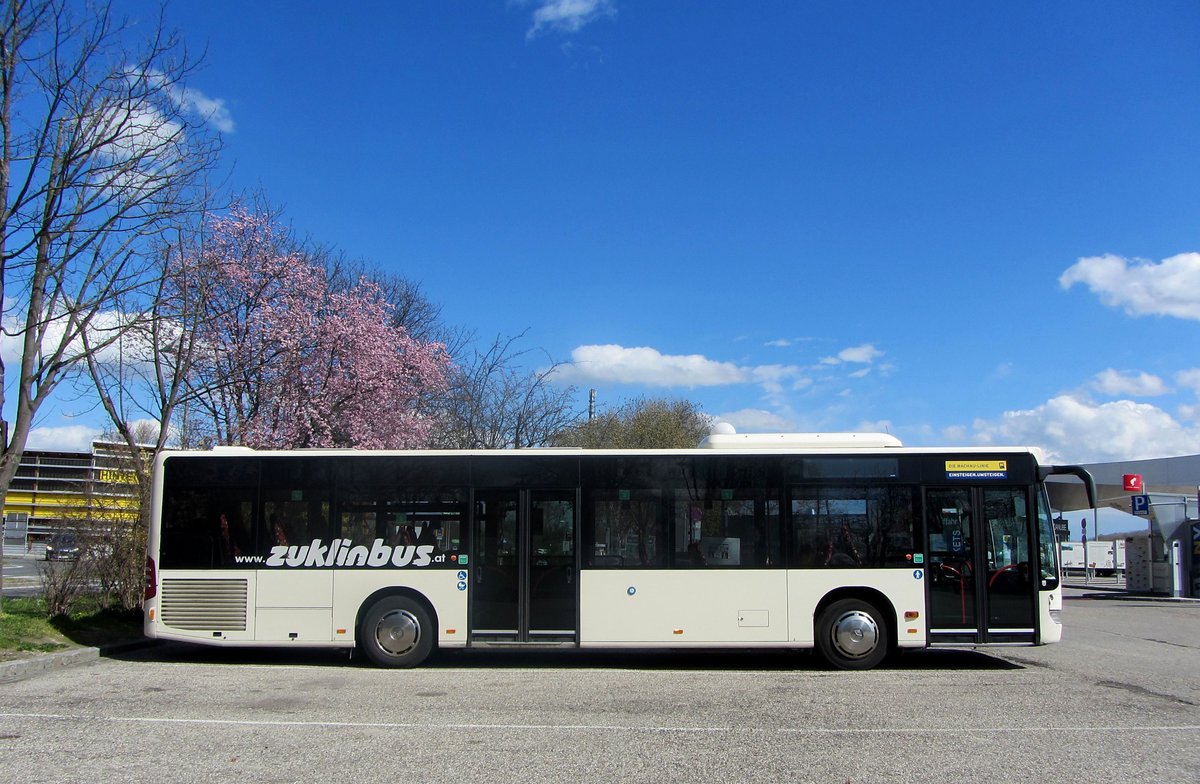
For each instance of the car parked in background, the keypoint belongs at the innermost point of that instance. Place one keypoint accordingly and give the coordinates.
(62, 547)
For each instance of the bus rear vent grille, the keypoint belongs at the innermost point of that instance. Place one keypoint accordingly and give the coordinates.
(204, 605)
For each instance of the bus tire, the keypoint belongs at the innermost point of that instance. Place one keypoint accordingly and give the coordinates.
(396, 632)
(852, 634)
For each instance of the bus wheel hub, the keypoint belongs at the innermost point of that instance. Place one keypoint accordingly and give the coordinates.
(397, 632)
(855, 634)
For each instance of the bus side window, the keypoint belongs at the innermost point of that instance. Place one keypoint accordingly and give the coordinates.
(739, 528)
(295, 522)
(296, 502)
(627, 528)
(608, 561)
(206, 528)
(358, 526)
(234, 533)
(849, 527)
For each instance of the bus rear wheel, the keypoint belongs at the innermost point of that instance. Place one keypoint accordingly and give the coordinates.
(396, 632)
(852, 634)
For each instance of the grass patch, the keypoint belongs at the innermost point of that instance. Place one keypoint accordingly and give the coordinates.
(25, 629)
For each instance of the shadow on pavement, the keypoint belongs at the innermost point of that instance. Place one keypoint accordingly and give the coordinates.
(942, 659)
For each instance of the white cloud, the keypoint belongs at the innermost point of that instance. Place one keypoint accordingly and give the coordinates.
(70, 438)
(568, 16)
(756, 420)
(131, 347)
(614, 364)
(135, 134)
(643, 365)
(188, 100)
(955, 434)
(874, 426)
(1115, 383)
(1075, 430)
(1189, 379)
(212, 110)
(772, 377)
(864, 354)
(142, 135)
(785, 342)
(1141, 287)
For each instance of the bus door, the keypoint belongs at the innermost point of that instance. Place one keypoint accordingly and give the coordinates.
(524, 585)
(981, 573)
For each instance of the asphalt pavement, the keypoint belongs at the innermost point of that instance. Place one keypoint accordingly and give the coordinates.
(21, 575)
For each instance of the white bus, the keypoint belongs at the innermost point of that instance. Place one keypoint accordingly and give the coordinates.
(849, 543)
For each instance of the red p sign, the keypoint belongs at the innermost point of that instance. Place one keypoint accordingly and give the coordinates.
(1133, 483)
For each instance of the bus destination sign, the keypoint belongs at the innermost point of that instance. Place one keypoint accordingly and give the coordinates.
(976, 469)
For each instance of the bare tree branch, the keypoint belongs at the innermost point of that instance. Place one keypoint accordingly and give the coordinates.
(494, 403)
(99, 155)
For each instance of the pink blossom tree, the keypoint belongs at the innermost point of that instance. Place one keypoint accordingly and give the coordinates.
(288, 361)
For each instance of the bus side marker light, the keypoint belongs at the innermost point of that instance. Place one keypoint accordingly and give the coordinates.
(152, 613)
(341, 631)
(913, 631)
(911, 615)
(451, 631)
(678, 631)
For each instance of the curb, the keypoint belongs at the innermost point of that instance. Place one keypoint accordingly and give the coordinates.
(1101, 589)
(1138, 597)
(20, 669)
(1119, 593)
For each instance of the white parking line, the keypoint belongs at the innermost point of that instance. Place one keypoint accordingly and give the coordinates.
(959, 730)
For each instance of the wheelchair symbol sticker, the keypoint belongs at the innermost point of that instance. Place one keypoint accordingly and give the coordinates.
(918, 574)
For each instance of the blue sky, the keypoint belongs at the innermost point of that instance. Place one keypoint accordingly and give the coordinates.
(961, 223)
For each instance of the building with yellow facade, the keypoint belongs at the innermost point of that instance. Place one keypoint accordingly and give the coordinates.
(66, 491)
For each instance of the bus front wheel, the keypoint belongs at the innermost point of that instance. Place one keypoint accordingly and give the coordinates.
(396, 632)
(852, 634)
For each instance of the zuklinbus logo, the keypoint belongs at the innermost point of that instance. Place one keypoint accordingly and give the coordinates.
(343, 552)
